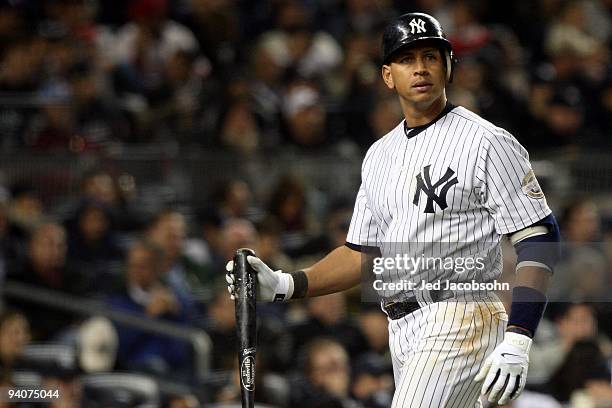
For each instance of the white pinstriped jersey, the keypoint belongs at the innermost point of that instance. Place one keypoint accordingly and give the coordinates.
(451, 188)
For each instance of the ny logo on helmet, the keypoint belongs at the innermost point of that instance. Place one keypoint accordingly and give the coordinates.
(417, 26)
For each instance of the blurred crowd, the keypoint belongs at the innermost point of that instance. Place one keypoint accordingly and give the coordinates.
(169, 266)
(87, 77)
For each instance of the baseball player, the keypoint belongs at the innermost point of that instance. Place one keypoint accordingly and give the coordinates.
(444, 182)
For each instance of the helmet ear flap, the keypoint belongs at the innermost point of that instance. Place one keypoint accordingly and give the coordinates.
(451, 61)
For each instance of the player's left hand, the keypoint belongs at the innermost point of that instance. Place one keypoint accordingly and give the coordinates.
(505, 370)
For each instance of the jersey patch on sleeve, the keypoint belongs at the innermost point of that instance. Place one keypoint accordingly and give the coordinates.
(531, 187)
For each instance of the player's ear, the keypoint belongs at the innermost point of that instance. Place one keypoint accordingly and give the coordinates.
(387, 77)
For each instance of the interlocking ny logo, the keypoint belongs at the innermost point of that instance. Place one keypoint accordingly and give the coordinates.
(417, 26)
(424, 184)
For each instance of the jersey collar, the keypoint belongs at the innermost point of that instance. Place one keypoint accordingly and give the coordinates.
(413, 131)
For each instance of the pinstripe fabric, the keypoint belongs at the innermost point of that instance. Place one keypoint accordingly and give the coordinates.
(438, 350)
(450, 190)
(486, 202)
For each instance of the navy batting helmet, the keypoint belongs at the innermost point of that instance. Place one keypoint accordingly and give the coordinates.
(411, 28)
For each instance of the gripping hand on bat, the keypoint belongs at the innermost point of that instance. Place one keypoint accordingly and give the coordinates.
(272, 286)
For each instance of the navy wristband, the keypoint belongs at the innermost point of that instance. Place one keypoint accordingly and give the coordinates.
(300, 284)
(527, 308)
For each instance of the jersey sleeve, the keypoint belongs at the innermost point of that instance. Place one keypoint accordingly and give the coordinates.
(507, 185)
(362, 232)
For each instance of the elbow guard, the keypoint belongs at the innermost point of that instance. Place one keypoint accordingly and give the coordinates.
(538, 245)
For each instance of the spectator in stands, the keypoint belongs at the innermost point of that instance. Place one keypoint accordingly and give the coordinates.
(372, 381)
(232, 198)
(101, 186)
(14, 336)
(20, 77)
(25, 212)
(55, 128)
(237, 233)
(168, 230)
(357, 87)
(268, 246)
(216, 26)
(143, 47)
(334, 234)
(60, 54)
(239, 128)
(207, 247)
(223, 234)
(221, 327)
(467, 81)
(466, 32)
(296, 45)
(97, 116)
(573, 324)
(584, 375)
(266, 94)
(46, 266)
(327, 317)
(372, 321)
(92, 243)
(570, 32)
(175, 106)
(560, 118)
(21, 66)
(361, 17)
(75, 19)
(582, 273)
(569, 81)
(581, 222)
(288, 203)
(305, 116)
(327, 377)
(385, 115)
(584, 276)
(146, 294)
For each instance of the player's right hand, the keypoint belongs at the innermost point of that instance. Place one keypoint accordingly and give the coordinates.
(272, 286)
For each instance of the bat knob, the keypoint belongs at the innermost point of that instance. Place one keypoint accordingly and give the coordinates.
(245, 252)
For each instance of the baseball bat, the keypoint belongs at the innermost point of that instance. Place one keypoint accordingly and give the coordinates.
(246, 324)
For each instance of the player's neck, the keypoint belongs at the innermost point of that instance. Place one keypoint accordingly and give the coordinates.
(419, 116)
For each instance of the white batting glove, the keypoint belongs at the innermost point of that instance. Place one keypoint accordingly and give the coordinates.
(505, 370)
(272, 286)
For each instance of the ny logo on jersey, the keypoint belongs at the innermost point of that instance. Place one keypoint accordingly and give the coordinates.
(424, 185)
(417, 26)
